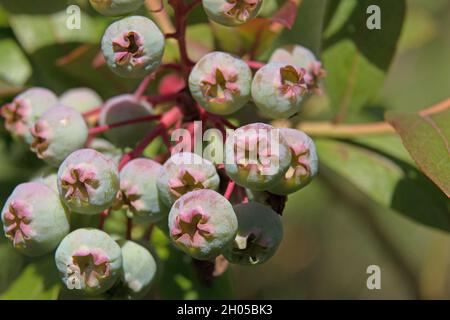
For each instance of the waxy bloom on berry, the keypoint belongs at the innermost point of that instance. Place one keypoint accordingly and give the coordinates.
(184, 172)
(278, 90)
(202, 223)
(116, 7)
(133, 47)
(88, 181)
(232, 12)
(21, 114)
(221, 83)
(304, 163)
(34, 219)
(89, 261)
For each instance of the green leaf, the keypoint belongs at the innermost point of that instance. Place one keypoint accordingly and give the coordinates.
(10, 266)
(388, 181)
(427, 140)
(356, 58)
(14, 66)
(38, 281)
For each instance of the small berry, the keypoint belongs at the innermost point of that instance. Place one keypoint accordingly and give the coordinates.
(89, 261)
(304, 163)
(221, 83)
(259, 234)
(138, 271)
(47, 176)
(138, 192)
(185, 172)
(116, 7)
(257, 156)
(58, 132)
(133, 47)
(81, 99)
(107, 149)
(301, 57)
(122, 108)
(202, 223)
(34, 219)
(21, 114)
(278, 90)
(88, 181)
(232, 12)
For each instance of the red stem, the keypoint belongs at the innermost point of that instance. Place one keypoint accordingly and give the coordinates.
(229, 190)
(255, 64)
(103, 217)
(106, 127)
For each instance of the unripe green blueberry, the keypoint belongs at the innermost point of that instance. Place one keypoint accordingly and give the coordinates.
(257, 156)
(278, 90)
(88, 181)
(122, 108)
(81, 99)
(34, 219)
(107, 149)
(89, 261)
(116, 7)
(259, 234)
(21, 114)
(138, 271)
(58, 132)
(184, 172)
(232, 12)
(133, 47)
(47, 176)
(202, 223)
(138, 192)
(221, 83)
(304, 163)
(301, 57)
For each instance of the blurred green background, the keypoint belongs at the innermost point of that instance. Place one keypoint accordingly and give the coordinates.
(333, 230)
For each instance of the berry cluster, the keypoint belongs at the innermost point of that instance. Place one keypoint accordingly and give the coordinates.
(207, 209)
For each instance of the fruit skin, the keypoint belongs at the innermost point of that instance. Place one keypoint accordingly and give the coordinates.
(81, 99)
(133, 47)
(219, 11)
(88, 181)
(259, 234)
(221, 83)
(184, 172)
(138, 192)
(98, 254)
(43, 219)
(304, 165)
(202, 223)
(278, 90)
(21, 114)
(138, 271)
(116, 7)
(47, 176)
(247, 150)
(107, 149)
(58, 132)
(122, 108)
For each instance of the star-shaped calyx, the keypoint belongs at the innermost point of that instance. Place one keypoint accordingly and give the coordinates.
(186, 181)
(79, 182)
(191, 227)
(128, 49)
(17, 223)
(292, 82)
(16, 116)
(87, 268)
(220, 86)
(240, 9)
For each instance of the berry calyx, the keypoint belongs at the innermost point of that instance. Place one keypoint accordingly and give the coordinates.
(17, 223)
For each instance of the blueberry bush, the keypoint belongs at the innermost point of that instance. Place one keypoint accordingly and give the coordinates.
(150, 148)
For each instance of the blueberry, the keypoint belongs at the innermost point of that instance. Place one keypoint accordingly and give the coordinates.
(122, 108)
(133, 47)
(259, 234)
(232, 12)
(138, 192)
(88, 181)
(304, 163)
(21, 114)
(202, 223)
(34, 219)
(116, 7)
(184, 172)
(89, 261)
(81, 99)
(107, 149)
(257, 156)
(278, 90)
(221, 83)
(58, 132)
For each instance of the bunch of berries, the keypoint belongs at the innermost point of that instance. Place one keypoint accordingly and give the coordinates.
(207, 209)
